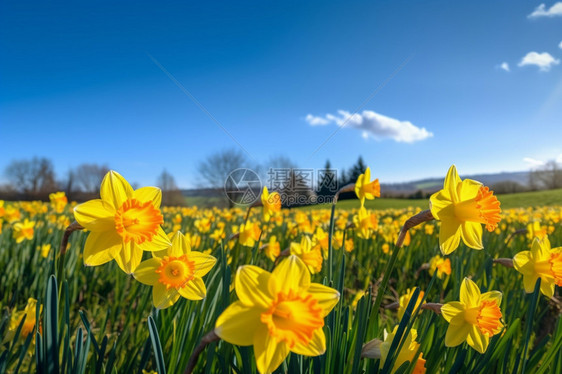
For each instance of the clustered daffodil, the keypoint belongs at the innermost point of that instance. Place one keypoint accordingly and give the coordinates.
(59, 201)
(543, 262)
(122, 224)
(441, 265)
(30, 314)
(23, 230)
(271, 203)
(277, 313)
(462, 207)
(475, 318)
(310, 254)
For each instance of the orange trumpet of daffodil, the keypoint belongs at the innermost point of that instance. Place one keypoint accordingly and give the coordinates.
(123, 223)
(175, 272)
(277, 313)
(271, 203)
(462, 207)
(540, 262)
(475, 318)
(365, 189)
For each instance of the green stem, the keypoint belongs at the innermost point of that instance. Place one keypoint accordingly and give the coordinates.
(533, 307)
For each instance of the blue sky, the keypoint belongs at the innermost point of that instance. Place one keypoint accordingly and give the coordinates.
(78, 84)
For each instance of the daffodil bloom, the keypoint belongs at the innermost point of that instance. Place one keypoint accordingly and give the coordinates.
(122, 224)
(462, 207)
(272, 248)
(380, 349)
(249, 234)
(23, 230)
(365, 189)
(45, 248)
(405, 300)
(365, 223)
(475, 318)
(309, 254)
(176, 273)
(30, 313)
(271, 203)
(59, 201)
(540, 262)
(441, 265)
(277, 313)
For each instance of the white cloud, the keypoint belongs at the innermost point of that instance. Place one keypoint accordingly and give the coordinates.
(541, 11)
(543, 60)
(315, 121)
(374, 125)
(533, 162)
(560, 45)
(504, 66)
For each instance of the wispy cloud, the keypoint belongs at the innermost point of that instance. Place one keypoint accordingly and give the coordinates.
(373, 125)
(560, 45)
(544, 60)
(504, 66)
(542, 11)
(533, 162)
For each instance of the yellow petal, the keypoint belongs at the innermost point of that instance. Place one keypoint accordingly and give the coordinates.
(292, 274)
(449, 235)
(115, 190)
(95, 215)
(470, 293)
(194, 289)
(179, 245)
(129, 257)
(451, 183)
(101, 248)
(146, 271)
(145, 194)
(254, 286)
(477, 340)
(203, 263)
(269, 353)
(441, 205)
(238, 323)
(159, 242)
(523, 263)
(327, 297)
(529, 282)
(453, 312)
(547, 288)
(469, 189)
(471, 233)
(316, 346)
(162, 297)
(456, 334)
(492, 295)
(541, 248)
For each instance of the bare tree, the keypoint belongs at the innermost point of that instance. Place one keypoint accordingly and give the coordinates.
(171, 194)
(550, 175)
(88, 177)
(34, 178)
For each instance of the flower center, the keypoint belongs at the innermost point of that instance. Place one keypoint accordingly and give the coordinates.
(484, 208)
(374, 188)
(293, 318)
(556, 267)
(137, 221)
(487, 317)
(176, 272)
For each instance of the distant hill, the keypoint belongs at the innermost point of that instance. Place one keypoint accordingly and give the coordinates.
(427, 185)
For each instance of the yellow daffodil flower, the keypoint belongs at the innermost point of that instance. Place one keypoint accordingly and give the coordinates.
(30, 313)
(23, 230)
(462, 207)
(271, 203)
(475, 318)
(277, 313)
(177, 273)
(540, 262)
(441, 265)
(365, 223)
(405, 300)
(59, 201)
(380, 349)
(309, 254)
(249, 234)
(365, 189)
(122, 224)
(272, 248)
